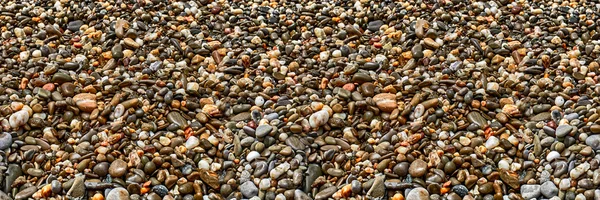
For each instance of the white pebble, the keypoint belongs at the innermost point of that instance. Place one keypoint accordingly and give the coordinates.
(552, 155)
(559, 101)
(503, 164)
(192, 142)
(492, 142)
(252, 155)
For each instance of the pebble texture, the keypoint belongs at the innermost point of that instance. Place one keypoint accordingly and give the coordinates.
(155, 99)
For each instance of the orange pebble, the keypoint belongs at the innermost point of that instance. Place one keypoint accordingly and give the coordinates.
(49, 86)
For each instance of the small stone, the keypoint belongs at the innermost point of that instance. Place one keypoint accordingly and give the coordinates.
(418, 194)
(131, 43)
(117, 168)
(5, 140)
(78, 188)
(530, 191)
(386, 101)
(548, 189)
(563, 130)
(431, 43)
(118, 194)
(318, 118)
(248, 189)
(417, 168)
(85, 101)
(264, 130)
(252, 156)
(25, 193)
(593, 141)
(18, 119)
(378, 188)
(552, 156)
(192, 142)
(176, 118)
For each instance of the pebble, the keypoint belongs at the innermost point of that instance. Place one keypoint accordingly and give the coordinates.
(548, 189)
(563, 130)
(287, 100)
(385, 101)
(263, 130)
(418, 194)
(118, 194)
(248, 189)
(530, 191)
(5, 140)
(417, 168)
(117, 168)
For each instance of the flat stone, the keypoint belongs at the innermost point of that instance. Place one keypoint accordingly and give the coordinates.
(176, 118)
(477, 118)
(85, 101)
(263, 130)
(77, 190)
(386, 102)
(593, 141)
(325, 193)
(74, 26)
(210, 178)
(25, 193)
(541, 117)
(563, 130)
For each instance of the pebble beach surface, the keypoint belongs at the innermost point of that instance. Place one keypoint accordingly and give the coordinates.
(298, 100)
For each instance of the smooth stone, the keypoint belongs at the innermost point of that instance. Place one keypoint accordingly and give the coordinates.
(593, 141)
(85, 101)
(373, 26)
(117, 168)
(74, 26)
(418, 194)
(263, 130)
(417, 168)
(176, 118)
(118, 194)
(101, 169)
(563, 130)
(318, 118)
(192, 142)
(386, 101)
(4, 196)
(61, 78)
(5, 140)
(325, 193)
(295, 143)
(477, 118)
(25, 193)
(252, 156)
(541, 117)
(210, 178)
(552, 156)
